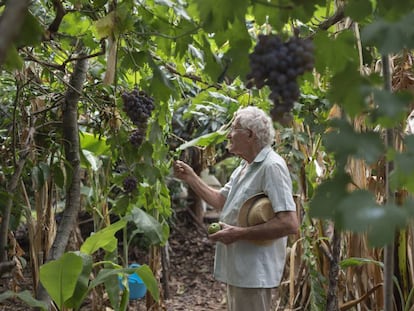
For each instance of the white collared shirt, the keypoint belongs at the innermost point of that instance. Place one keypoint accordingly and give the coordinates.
(242, 263)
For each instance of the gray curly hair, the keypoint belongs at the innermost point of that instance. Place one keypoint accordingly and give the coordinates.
(260, 123)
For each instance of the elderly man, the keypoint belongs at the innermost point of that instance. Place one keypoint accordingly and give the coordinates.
(249, 268)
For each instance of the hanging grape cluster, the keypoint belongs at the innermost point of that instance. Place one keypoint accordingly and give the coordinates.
(277, 64)
(138, 106)
(130, 184)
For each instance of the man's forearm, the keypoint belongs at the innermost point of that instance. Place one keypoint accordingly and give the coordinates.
(210, 195)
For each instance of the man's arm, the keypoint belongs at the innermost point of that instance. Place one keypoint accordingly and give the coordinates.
(210, 195)
(281, 225)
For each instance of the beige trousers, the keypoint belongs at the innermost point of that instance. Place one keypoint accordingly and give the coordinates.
(248, 299)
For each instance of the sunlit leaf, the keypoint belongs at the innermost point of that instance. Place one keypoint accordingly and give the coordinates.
(94, 143)
(75, 24)
(205, 140)
(104, 238)
(105, 25)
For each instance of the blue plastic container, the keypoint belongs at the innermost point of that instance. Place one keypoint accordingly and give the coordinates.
(137, 288)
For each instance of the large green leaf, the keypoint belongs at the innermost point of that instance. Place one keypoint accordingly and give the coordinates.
(362, 145)
(149, 280)
(385, 222)
(75, 24)
(346, 89)
(82, 284)
(59, 277)
(31, 32)
(390, 37)
(335, 53)
(147, 225)
(205, 140)
(391, 108)
(328, 195)
(112, 288)
(94, 143)
(238, 54)
(216, 15)
(358, 10)
(402, 176)
(104, 238)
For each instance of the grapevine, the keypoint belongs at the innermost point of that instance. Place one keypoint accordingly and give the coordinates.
(138, 106)
(278, 64)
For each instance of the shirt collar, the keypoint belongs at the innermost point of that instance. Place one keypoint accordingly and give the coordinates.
(262, 154)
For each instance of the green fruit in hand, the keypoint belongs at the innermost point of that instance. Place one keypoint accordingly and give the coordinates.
(214, 227)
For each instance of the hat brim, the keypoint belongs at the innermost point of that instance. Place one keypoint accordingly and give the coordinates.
(250, 206)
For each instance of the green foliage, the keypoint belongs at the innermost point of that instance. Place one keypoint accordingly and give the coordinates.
(359, 10)
(341, 52)
(147, 225)
(68, 279)
(60, 277)
(391, 108)
(192, 58)
(390, 37)
(103, 239)
(403, 173)
(82, 284)
(216, 16)
(367, 145)
(210, 139)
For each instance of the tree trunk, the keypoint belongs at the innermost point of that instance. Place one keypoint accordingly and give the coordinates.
(72, 154)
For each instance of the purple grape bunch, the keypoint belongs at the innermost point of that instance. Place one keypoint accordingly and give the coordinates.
(277, 64)
(130, 184)
(138, 106)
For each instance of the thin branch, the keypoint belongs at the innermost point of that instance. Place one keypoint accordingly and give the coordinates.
(60, 13)
(61, 67)
(333, 19)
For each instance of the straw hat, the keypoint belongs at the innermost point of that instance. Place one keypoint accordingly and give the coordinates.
(256, 210)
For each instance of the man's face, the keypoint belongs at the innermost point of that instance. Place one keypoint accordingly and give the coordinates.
(237, 139)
